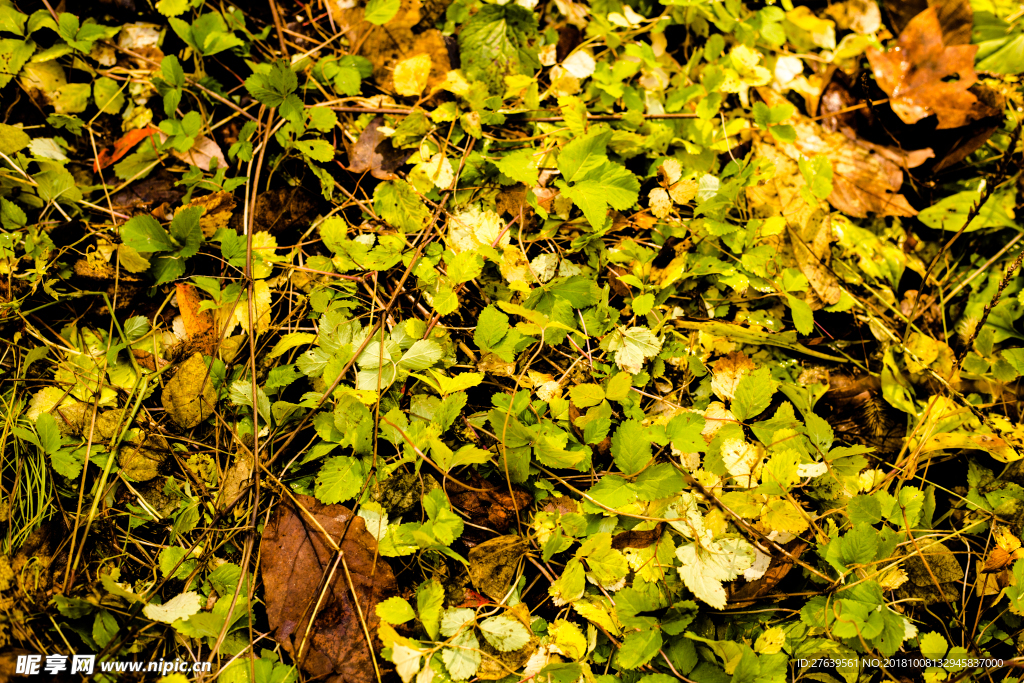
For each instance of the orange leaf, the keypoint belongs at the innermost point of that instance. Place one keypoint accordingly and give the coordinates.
(925, 76)
(198, 324)
(122, 147)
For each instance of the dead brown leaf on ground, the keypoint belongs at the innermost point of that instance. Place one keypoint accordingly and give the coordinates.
(296, 560)
(489, 505)
(864, 180)
(956, 17)
(923, 75)
(374, 152)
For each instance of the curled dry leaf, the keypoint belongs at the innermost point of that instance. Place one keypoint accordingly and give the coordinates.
(864, 181)
(923, 75)
(217, 211)
(295, 560)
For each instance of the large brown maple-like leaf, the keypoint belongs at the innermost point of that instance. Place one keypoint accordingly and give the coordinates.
(923, 75)
(295, 559)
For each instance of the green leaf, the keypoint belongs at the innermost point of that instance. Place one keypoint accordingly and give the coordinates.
(864, 509)
(290, 341)
(803, 316)
(13, 56)
(13, 139)
(586, 395)
(50, 438)
(449, 409)
(104, 628)
(380, 12)
(317, 150)
(817, 171)
(462, 656)
(171, 556)
(610, 185)
(504, 633)
(429, 600)
(273, 87)
(172, 8)
(521, 166)
(859, 545)
(107, 95)
(469, 455)
(143, 234)
(185, 230)
(1015, 357)
(494, 44)
(659, 481)
(66, 463)
(421, 355)
(631, 448)
(395, 610)
(753, 394)
(619, 387)
(465, 266)
(579, 291)
(340, 478)
(933, 645)
(638, 648)
(950, 213)
(685, 432)
(569, 586)
(491, 326)
(397, 203)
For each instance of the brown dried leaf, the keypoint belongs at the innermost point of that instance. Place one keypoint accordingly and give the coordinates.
(956, 17)
(489, 505)
(295, 560)
(374, 152)
(914, 74)
(864, 181)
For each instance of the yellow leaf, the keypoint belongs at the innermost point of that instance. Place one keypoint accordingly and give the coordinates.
(411, 75)
(261, 307)
(782, 515)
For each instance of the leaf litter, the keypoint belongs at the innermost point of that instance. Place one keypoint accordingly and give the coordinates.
(610, 329)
